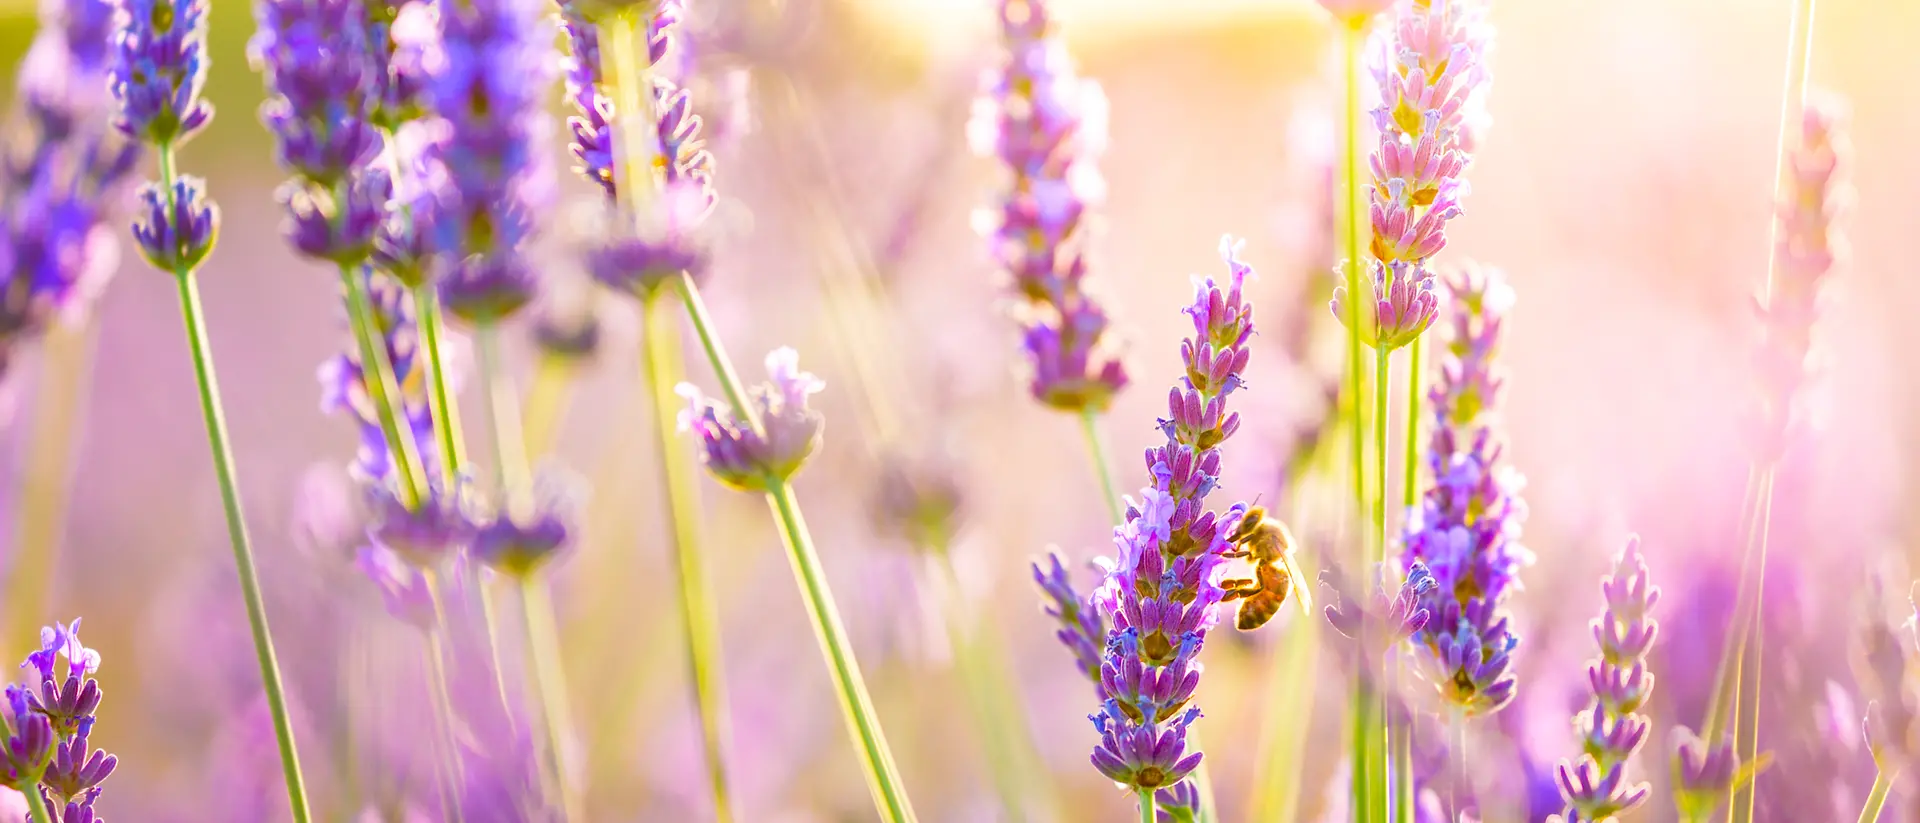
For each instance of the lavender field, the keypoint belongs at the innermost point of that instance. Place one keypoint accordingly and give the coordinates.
(806, 411)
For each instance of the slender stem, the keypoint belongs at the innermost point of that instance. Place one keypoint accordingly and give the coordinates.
(1726, 692)
(546, 404)
(1097, 449)
(1353, 213)
(452, 778)
(1458, 757)
(46, 481)
(376, 373)
(883, 777)
(490, 619)
(1008, 751)
(1382, 365)
(503, 422)
(1877, 797)
(549, 684)
(1747, 729)
(716, 353)
(1363, 743)
(1793, 100)
(1400, 743)
(214, 412)
(1416, 387)
(446, 414)
(1146, 805)
(662, 365)
(37, 806)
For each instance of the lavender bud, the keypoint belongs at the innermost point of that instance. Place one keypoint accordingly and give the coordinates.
(29, 743)
(1082, 629)
(638, 263)
(158, 69)
(1594, 787)
(322, 76)
(77, 768)
(1148, 755)
(425, 535)
(487, 289)
(323, 228)
(177, 231)
(566, 323)
(749, 460)
(1178, 804)
(1704, 775)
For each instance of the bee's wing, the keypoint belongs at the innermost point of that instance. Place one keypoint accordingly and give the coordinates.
(1302, 591)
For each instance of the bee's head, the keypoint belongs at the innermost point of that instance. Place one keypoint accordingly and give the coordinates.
(1250, 521)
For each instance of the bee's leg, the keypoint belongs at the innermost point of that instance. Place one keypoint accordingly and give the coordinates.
(1236, 588)
(1237, 553)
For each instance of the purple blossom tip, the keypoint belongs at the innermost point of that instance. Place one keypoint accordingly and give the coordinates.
(1706, 775)
(1596, 795)
(425, 535)
(176, 228)
(740, 456)
(321, 226)
(1146, 755)
(1082, 629)
(1179, 803)
(158, 68)
(639, 262)
(519, 544)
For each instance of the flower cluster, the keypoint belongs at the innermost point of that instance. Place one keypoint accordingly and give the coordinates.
(1432, 77)
(156, 72)
(1375, 620)
(1611, 728)
(657, 234)
(56, 251)
(757, 458)
(1048, 126)
(486, 83)
(1807, 250)
(1883, 662)
(1466, 528)
(1162, 591)
(49, 724)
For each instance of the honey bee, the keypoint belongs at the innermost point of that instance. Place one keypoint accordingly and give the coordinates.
(1268, 543)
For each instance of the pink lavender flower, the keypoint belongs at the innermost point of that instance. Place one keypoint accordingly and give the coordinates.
(751, 459)
(1807, 250)
(1432, 75)
(1162, 593)
(1705, 775)
(1048, 126)
(486, 83)
(1611, 728)
(1466, 529)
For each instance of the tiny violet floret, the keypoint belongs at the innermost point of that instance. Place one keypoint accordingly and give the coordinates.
(176, 228)
(519, 544)
(747, 458)
(49, 749)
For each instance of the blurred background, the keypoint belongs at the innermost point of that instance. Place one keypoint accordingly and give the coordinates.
(1624, 187)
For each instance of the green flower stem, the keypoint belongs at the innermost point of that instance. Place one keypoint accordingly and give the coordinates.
(549, 684)
(883, 777)
(1749, 679)
(1146, 805)
(1400, 742)
(547, 681)
(1720, 706)
(547, 400)
(662, 365)
(1097, 449)
(1353, 212)
(1381, 382)
(222, 453)
(1367, 789)
(1877, 797)
(451, 776)
(446, 413)
(383, 390)
(37, 806)
(1416, 388)
(1458, 731)
(46, 482)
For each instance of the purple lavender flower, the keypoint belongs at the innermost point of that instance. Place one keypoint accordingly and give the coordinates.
(63, 79)
(1380, 622)
(52, 725)
(1432, 76)
(1882, 662)
(1179, 803)
(737, 454)
(1466, 528)
(1704, 775)
(1083, 630)
(1611, 728)
(486, 84)
(518, 543)
(1048, 126)
(592, 122)
(428, 534)
(321, 79)
(176, 228)
(158, 68)
(1162, 592)
(1807, 249)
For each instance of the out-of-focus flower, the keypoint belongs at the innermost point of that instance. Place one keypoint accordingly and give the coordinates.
(1432, 75)
(637, 260)
(1466, 529)
(519, 543)
(428, 534)
(737, 454)
(566, 322)
(1162, 591)
(1611, 728)
(1705, 775)
(487, 83)
(920, 498)
(323, 77)
(404, 588)
(343, 383)
(158, 68)
(1807, 250)
(1048, 126)
(1883, 664)
(1375, 620)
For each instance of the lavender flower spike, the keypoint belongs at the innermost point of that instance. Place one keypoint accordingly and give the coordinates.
(1048, 126)
(1705, 775)
(158, 69)
(1808, 248)
(1611, 728)
(1466, 528)
(487, 85)
(1432, 74)
(752, 459)
(52, 721)
(1162, 595)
